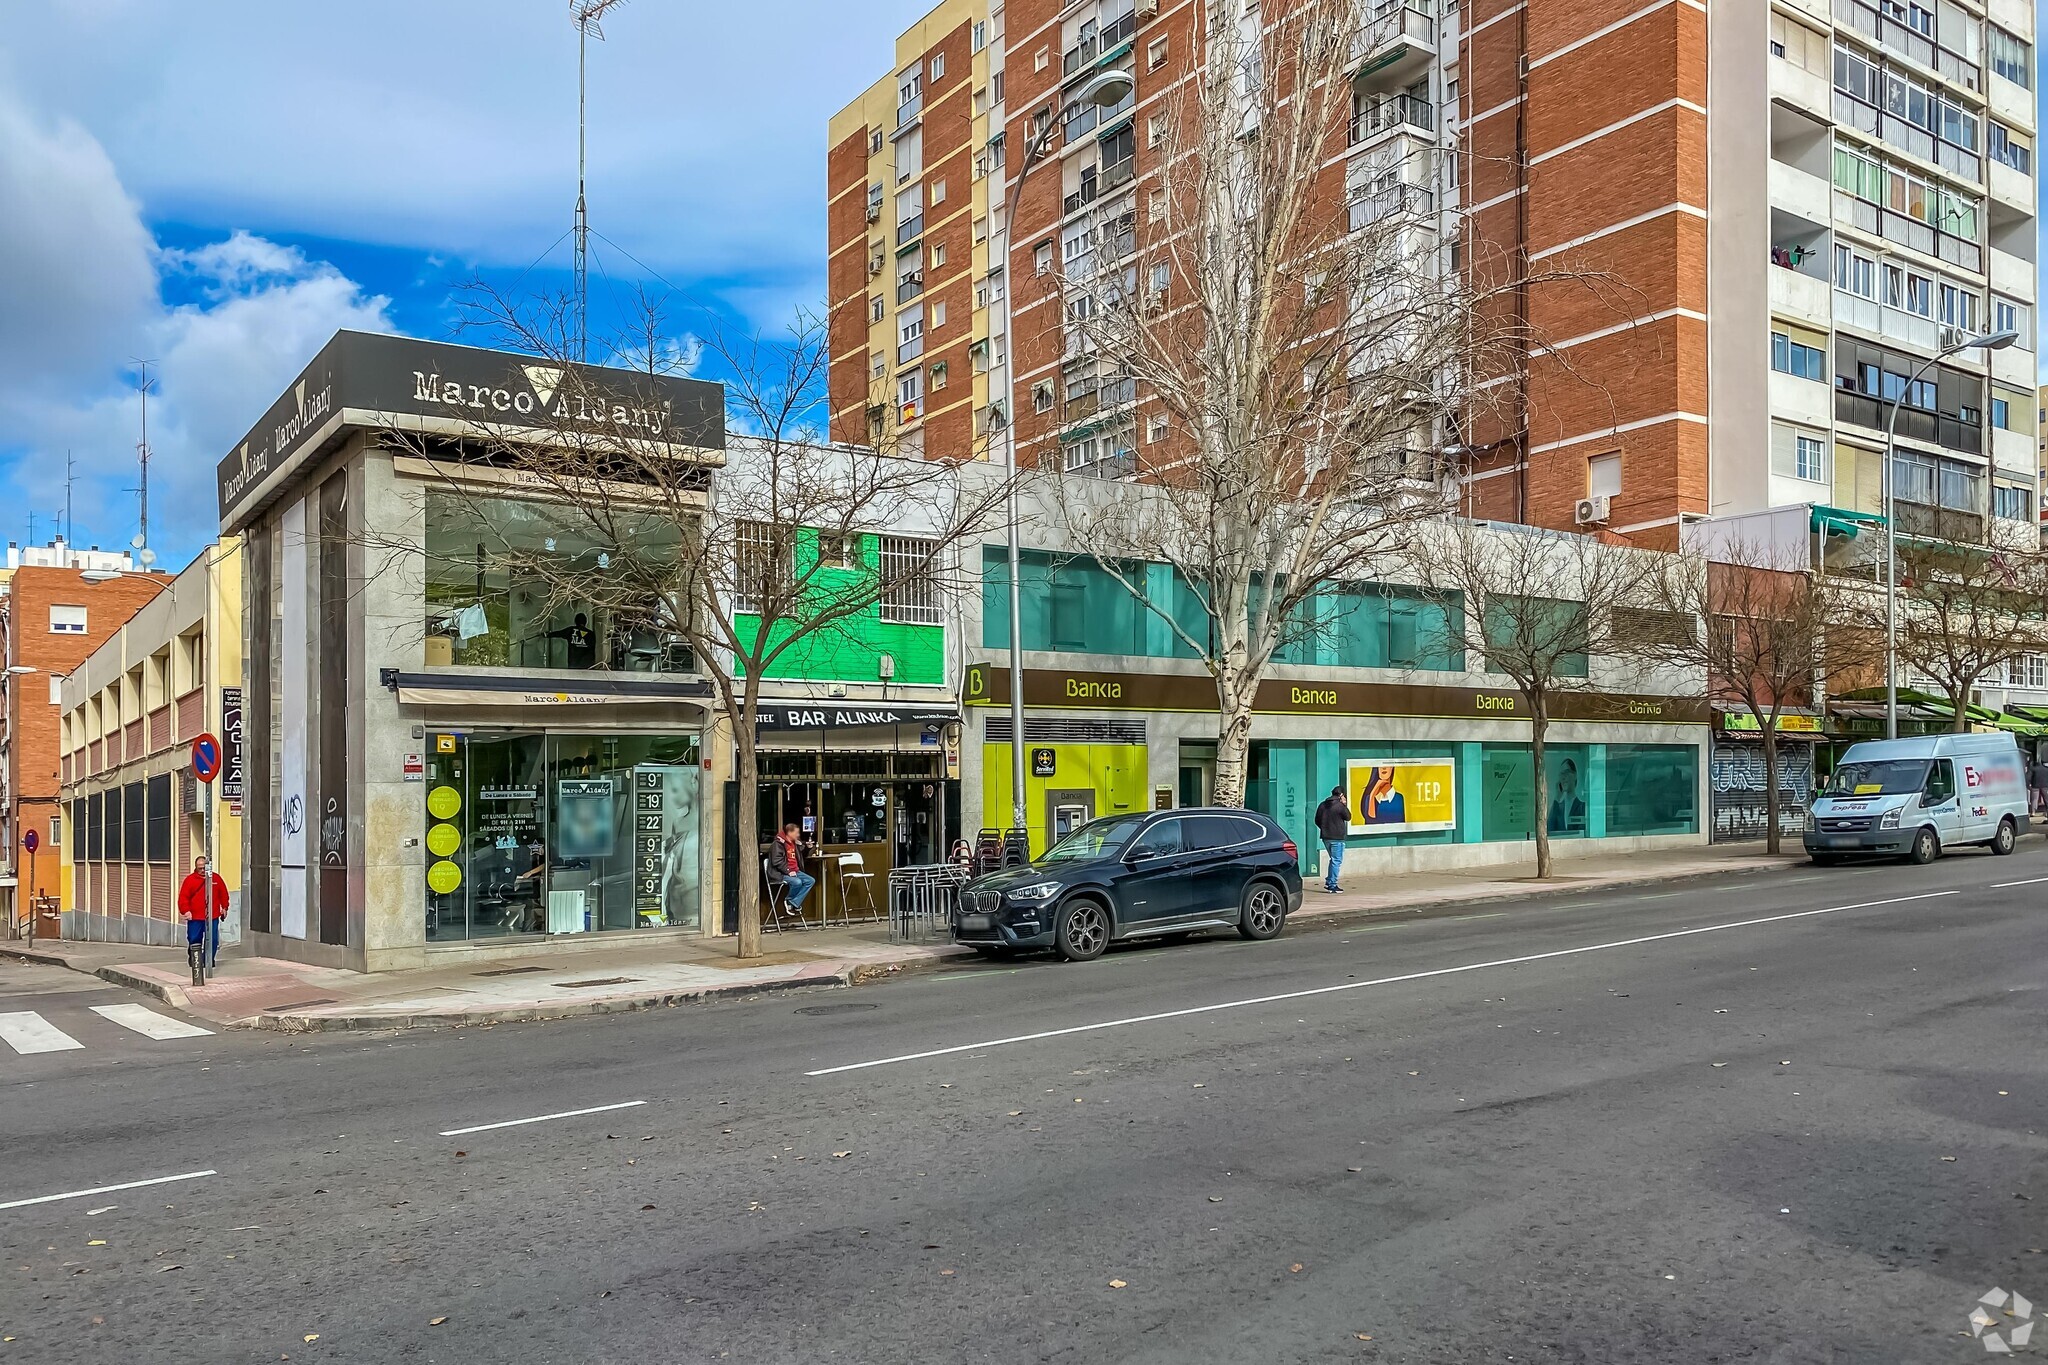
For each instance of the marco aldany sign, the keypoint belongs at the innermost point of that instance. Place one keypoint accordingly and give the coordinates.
(366, 380)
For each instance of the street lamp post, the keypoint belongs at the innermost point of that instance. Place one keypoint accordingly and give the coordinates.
(1103, 90)
(1990, 341)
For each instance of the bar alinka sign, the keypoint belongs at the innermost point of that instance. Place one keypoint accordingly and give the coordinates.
(363, 379)
(989, 685)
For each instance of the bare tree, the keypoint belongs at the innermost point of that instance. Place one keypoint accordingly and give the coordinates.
(753, 566)
(1774, 634)
(1965, 611)
(1551, 613)
(1293, 335)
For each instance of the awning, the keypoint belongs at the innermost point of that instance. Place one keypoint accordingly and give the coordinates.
(1840, 521)
(486, 689)
(848, 715)
(2019, 725)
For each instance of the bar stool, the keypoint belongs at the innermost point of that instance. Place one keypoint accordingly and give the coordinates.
(860, 878)
(778, 901)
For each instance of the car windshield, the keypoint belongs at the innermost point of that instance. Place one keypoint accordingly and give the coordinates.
(1879, 777)
(1096, 839)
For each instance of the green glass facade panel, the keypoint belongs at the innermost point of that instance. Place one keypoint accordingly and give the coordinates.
(1652, 789)
(1552, 625)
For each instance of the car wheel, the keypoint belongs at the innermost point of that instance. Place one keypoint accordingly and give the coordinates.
(1262, 912)
(2007, 838)
(1083, 931)
(1926, 848)
(1823, 859)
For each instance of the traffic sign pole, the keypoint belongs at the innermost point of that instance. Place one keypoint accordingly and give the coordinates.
(206, 761)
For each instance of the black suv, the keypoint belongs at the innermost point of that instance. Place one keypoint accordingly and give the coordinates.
(1137, 876)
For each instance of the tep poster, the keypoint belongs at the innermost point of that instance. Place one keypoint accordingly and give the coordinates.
(1401, 795)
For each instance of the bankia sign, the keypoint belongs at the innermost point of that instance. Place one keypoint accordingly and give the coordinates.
(365, 379)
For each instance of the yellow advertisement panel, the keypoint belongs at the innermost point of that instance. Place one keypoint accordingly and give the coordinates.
(1401, 795)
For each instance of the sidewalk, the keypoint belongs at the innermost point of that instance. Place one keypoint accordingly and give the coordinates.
(259, 992)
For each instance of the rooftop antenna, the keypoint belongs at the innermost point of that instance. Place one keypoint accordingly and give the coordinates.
(70, 478)
(142, 383)
(589, 15)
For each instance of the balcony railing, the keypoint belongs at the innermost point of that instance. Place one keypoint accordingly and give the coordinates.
(910, 350)
(1118, 173)
(1394, 112)
(907, 112)
(909, 230)
(1395, 24)
(910, 286)
(1908, 137)
(1864, 410)
(1084, 53)
(1409, 201)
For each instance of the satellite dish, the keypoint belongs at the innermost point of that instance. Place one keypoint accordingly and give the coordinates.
(148, 557)
(137, 542)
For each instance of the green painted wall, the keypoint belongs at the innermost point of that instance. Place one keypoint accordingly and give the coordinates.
(851, 650)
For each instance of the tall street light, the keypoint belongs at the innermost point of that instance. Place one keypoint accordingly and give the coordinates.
(1103, 90)
(1990, 341)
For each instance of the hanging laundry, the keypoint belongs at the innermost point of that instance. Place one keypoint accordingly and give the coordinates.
(471, 622)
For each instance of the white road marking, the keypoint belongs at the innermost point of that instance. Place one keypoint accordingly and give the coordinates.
(1361, 985)
(540, 1118)
(149, 1023)
(106, 1189)
(26, 1031)
(1996, 886)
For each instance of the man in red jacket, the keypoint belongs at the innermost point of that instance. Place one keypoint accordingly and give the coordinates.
(193, 898)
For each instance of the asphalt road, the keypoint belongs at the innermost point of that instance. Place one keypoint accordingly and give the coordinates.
(1573, 1130)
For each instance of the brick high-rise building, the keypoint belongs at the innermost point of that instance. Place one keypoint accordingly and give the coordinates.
(59, 605)
(1782, 207)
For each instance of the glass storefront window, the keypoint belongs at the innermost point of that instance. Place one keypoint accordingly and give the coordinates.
(495, 569)
(1653, 789)
(533, 833)
(1509, 807)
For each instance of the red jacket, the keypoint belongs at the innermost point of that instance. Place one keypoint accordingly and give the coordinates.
(192, 897)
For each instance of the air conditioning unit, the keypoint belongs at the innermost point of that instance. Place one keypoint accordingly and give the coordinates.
(1590, 511)
(874, 266)
(1147, 8)
(874, 212)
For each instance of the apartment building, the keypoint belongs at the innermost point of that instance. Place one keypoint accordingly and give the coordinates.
(1749, 223)
(913, 166)
(135, 816)
(56, 607)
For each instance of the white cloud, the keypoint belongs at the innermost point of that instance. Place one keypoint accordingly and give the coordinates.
(87, 298)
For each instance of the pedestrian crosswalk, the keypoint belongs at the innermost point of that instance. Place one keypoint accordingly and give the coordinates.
(28, 1032)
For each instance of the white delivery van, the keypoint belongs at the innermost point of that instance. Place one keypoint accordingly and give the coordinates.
(1916, 797)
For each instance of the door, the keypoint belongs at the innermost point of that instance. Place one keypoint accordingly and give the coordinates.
(1155, 883)
(1938, 802)
(1220, 862)
(1066, 810)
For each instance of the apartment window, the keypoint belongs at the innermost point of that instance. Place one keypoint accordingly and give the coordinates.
(1041, 58)
(1797, 357)
(879, 367)
(875, 309)
(1041, 258)
(2014, 504)
(977, 356)
(1155, 429)
(2001, 414)
(764, 563)
(67, 620)
(938, 192)
(1603, 476)
(2011, 57)
(1855, 273)
(1041, 396)
(910, 326)
(938, 66)
(908, 87)
(938, 253)
(938, 315)
(1959, 308)
(981, 105)
(978, 36)
(2028, 670)
(56, 689)
(1155, 130)
(2013, 149)
(995, 87)
(938, 376)
(1155, 206)
(2017, 317)
(910, 388)
(1155, 54)
(980, 227)
(910, 593)
(875, 142)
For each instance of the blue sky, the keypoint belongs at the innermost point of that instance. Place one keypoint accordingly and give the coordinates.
(219, 184)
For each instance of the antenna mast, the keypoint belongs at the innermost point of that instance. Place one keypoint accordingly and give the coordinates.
(141, 453)
(588, 14)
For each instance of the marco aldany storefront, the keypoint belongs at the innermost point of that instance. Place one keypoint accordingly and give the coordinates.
(443, 757)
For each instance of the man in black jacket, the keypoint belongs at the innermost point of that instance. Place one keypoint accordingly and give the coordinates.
(1333, 822)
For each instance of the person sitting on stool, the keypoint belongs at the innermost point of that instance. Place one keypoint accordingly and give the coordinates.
(789, 856)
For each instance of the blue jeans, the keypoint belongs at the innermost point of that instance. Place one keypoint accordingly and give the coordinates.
(1334, 849)
(799, 886)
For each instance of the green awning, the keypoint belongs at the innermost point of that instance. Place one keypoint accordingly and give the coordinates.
(2019, 725)
(1840, 521)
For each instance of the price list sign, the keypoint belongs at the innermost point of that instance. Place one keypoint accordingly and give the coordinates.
(649, 830)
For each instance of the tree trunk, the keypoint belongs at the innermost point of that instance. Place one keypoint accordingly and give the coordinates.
(1539, 728)
(1233, 750)
(1961, 722)
(1769, 724)
(747, 773)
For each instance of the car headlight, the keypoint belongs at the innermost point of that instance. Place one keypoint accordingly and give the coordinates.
(1810, 826)
(1037, 891)
(1890, 819)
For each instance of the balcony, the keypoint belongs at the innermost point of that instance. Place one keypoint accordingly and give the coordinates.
(1399, 42)
(909, 412)
(1917, 424)
(1804, 90)
(1893, 36)
(2012, 187)
(909, 230)
(907, 114)
(2014, 276)
(910, 286)
(1957, 525)
(1392, 201)
(909, 350)
(1799, 192)
(1796, 294)
(1398, 111)
(1086, 54)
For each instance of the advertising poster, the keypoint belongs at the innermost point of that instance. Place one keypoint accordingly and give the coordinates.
(1401, 795)
(583, 818)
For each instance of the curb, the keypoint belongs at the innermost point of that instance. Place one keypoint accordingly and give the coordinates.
(173, 996)
(356, 1023)
(35, 955)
